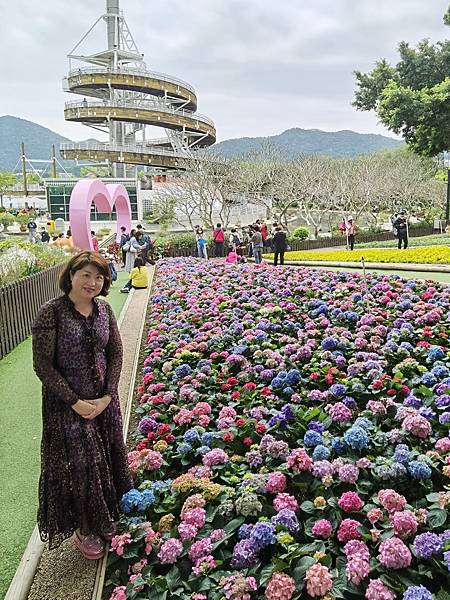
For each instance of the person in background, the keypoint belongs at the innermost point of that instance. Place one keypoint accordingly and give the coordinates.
(219, 239)
(257, 244)
(401, 226)
(280, 245)
(138, 277)
(54, 241)
(133, 247)
(94, 241)
(351, 232)
(264, 234)
(32, 228)
(201, 243)
(77, 355)
(124, 238)
(145, 239)
(45, 237)
(234, 240)
(232, 256)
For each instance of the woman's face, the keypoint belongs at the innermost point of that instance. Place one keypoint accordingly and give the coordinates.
(87, 283)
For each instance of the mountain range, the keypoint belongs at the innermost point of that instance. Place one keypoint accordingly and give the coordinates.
(292, 142)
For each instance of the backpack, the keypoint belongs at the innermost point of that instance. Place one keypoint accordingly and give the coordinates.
(219, 236)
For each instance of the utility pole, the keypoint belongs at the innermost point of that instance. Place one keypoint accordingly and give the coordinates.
(24, 169)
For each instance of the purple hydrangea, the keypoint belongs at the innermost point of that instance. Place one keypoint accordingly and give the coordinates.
(427, 545)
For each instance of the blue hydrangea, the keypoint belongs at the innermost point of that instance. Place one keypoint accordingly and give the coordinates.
(435, 353)
(419, 470)
(427, 412)
(427, 545)
(440, 371)
(316, 426)
(130, 500)
(417, 592)
(402, 453)
(329, 343)
(321, 453)
(356, 438)
(161, 486)
(207, 438)
(183, 371)
(202, 450)
(262, 535)
(147, 499)
(338, 445)
(183, 448)
(191, 436)
(363, 422)
(245, 531)
(312, 438)
(288, 519)
(293, 377)
(444, 418)
(428, 379)
(338, 390)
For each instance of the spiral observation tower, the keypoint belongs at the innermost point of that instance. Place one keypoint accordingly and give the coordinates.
(123, 98)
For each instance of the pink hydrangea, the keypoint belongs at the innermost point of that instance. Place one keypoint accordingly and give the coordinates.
(137, 588)
(356, 547)
(391, 501)
(318, 580)
(375, 514)
(417, 425)
(204, 564)
(215, 457)
(348, 530)
(153, 460)
(280, 587)
(202, 408)
(348, 473)
(119, 542)
(200, 548)
(216, 535)
(443, 445)
(119, 593)
(285, 501)
(376, 590)
(322, 528)
(339, 412)
(299, 460)
(394, 554)
(183, 417)
(196, 517)
(170, 551)
(357, 568)
(404, 523)
(350, 502)
(276, 482)
(187, 531)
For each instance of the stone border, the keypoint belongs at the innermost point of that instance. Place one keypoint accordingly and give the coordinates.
(427, 268)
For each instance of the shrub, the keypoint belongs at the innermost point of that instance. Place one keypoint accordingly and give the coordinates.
(299, 234)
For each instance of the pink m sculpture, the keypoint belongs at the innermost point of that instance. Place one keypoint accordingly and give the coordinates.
(105, 198)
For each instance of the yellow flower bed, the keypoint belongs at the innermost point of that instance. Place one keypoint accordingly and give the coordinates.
(430, 255)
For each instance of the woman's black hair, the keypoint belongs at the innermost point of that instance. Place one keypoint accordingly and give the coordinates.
(138, 262)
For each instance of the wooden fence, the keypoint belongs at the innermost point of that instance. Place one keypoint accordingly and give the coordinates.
(20, 302)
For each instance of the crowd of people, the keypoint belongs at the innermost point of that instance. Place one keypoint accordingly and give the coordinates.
(251, 240)
(399, 222)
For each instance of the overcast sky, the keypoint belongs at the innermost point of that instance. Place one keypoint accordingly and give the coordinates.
(259, 67)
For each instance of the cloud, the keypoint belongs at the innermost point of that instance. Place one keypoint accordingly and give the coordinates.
(258, 66)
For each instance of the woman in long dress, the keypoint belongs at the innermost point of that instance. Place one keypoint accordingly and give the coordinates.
(77, 354)
(135, 247)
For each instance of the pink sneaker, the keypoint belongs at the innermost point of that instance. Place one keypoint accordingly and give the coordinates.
(90, 546)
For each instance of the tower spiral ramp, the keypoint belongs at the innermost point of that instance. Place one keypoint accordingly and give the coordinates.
(122, 97)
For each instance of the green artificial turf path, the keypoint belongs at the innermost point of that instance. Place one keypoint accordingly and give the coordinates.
(20, 436)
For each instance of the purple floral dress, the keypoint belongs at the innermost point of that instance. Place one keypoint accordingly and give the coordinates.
(84, 470)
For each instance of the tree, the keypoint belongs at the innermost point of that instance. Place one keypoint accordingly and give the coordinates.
(7, 180)
(412, 99)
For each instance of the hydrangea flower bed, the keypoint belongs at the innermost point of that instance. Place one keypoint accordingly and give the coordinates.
(289, 443)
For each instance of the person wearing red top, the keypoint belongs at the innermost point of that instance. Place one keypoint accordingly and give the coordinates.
(94, 241)
(219, 239)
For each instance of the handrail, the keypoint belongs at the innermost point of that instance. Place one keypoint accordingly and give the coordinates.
(135, 148)
(143, 104)
(133, 71)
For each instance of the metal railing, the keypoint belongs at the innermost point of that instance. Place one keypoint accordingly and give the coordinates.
(134, 148)
(141, 105)
(132, 71)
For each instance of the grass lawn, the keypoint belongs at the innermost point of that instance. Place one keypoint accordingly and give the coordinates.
(20, 435)
(441, 277)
